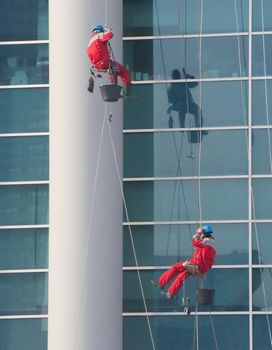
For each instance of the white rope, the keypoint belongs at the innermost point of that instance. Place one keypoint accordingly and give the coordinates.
(199, 151)
(252, 194)
(130, 233)
(265, 87)
(106, 12)
(248, 153)
(85, 256)
(261, 272)
(213, 329)
(200, 121)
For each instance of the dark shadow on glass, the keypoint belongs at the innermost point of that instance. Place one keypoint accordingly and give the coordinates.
(181, 101)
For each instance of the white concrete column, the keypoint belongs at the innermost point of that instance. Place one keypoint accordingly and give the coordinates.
(85, 290)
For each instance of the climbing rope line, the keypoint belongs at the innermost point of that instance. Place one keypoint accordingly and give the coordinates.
(261, 272)
(130, 231)
(265, 87)
(200, 104)
(85, 256)
(248, 153)
(270, 159)
(178, 152)
(106, 12)
(213, 330)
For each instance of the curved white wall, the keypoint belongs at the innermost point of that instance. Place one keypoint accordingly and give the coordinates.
(90, 317)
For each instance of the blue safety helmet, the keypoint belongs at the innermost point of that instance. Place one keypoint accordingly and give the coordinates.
(98, 28)
(207, 229)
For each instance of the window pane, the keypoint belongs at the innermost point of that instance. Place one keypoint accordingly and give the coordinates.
(260, 65)
(215, 107)
(261, 289)
(170, 332)
(156, 201)
(23, 20)
(182, 17)
(262, 146)
(259, 12)
(24, 205)
(23, 64)
(23, 334)
(155, 60)
(261, 332)
(261, 102)
(236, 299)
(24, 158)
(24, 249)
(166, 244)
(23, 294)
(24, 110)
(262, 243)
(262, 191)
(174, 153)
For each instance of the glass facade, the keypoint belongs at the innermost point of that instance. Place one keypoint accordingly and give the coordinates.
(24, 174)
(197, 150)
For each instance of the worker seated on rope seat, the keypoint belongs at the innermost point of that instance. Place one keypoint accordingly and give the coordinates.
(99, 54)
(201, 261)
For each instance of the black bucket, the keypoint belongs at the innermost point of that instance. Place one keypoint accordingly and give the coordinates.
(205, 296)
(110, 93)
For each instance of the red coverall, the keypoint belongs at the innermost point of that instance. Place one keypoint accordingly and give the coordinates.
(203, 257)
(99, 55)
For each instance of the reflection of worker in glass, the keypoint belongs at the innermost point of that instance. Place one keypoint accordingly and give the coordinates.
(181, 100)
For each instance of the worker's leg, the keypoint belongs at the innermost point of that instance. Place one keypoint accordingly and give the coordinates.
(123, 73)
(176, 285)
(168, 275)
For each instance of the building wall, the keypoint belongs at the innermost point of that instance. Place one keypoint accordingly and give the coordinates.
(24, 174)
(206, 161)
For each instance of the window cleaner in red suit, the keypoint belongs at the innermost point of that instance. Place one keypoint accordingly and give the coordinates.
(201, 261)
(99, 54)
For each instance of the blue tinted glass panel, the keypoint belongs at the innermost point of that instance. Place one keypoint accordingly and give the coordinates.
(261, 289)
(157, 201)
(261, 145)
(262, 191)
(23, 20)
(235, 300)
(262, 15)
(172, 332)
(261, 332)
(24, 158)
(24, 110)
(23, 294)
(166, 244)
(23, 64)
(24, 249)
(261, 64)
(182, 17)
(150, 110)
(175, 153)
(262, 243)
(24, 205)
(23, 334)
(261, 102)
(155, 60)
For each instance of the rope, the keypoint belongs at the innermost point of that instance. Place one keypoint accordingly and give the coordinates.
(106, 12)
(89, 232)
(213, 330)
(248, 155)
(265, 87)
(130, 233)
(270, 159)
